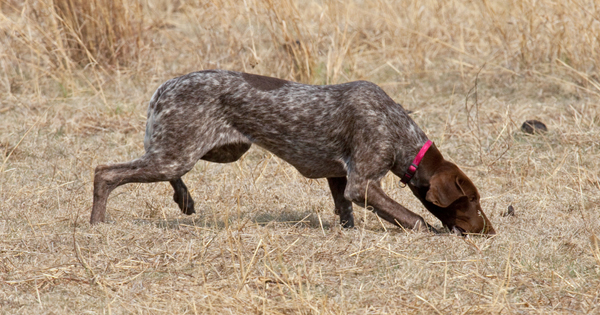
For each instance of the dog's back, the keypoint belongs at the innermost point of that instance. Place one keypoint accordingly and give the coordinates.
(314, 128)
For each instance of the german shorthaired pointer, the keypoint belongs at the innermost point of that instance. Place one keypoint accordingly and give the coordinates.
(350, 133)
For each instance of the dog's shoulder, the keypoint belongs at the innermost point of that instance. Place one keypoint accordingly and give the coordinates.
(366, 92)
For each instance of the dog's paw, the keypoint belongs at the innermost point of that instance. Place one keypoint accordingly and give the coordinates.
(422, 226)
(347, 221)
(433, 230)
(188, 208)
(186, 204)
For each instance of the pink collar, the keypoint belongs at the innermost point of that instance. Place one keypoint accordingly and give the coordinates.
(412, 169)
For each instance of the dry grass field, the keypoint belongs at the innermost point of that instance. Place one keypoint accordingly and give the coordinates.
(75, 80)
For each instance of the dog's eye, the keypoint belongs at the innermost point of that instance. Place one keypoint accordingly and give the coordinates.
(473, 198)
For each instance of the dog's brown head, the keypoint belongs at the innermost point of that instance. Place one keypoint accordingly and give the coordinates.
(449, 195)
(453, 198)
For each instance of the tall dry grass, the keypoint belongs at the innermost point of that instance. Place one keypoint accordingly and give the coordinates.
(75, 79)
(311, 41)
(98, 31)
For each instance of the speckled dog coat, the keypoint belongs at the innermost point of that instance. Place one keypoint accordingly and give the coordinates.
(352, 134)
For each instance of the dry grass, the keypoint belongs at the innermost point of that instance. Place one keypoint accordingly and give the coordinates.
(73, 94)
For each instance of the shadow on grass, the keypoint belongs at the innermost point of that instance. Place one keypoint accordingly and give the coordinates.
(286, 218)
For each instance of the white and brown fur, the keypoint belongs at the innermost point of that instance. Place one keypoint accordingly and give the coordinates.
(352, 134)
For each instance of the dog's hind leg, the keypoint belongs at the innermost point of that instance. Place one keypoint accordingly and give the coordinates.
(149, 168)
(182, 196)
(222, 154)
(343, 206)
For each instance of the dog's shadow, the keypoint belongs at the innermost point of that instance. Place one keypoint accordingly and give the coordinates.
(306, 219)
(289, 219)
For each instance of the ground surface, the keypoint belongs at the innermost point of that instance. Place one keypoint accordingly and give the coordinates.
(265, 239)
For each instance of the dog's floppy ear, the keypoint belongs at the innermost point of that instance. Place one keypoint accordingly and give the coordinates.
(444, 189)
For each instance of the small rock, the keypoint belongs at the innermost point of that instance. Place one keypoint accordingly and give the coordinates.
(533, 127)
(509, 212)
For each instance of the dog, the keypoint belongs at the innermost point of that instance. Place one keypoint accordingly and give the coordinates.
(351, 133)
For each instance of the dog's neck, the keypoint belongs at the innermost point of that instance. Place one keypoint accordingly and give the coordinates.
(432, 160)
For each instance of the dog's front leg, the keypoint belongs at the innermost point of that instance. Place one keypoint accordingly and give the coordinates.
(369, 194)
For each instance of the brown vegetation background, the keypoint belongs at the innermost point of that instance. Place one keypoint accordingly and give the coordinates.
(75, 79)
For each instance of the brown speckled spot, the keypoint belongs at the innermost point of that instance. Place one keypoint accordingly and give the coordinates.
(263, 83)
